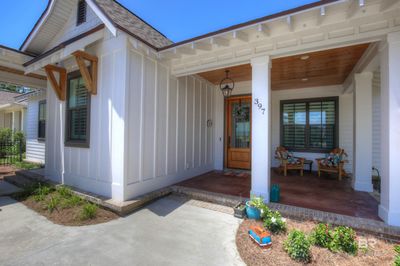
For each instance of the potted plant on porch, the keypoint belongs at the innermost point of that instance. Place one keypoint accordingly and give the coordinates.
(254, 206)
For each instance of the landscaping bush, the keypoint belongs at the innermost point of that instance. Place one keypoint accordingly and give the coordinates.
(322, 235)
(89, 211)
(5, 135)
(257, 202)
(64, 191)
(19, 138)
(41, 192)
(297, 245)
(397, 259)
(70, 202)
(274, 222)
(344, 239)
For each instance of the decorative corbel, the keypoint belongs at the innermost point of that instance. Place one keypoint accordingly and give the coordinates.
(89, 75)
(58, 86)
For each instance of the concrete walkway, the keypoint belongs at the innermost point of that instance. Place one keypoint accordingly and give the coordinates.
(7, 188)
(169, 231)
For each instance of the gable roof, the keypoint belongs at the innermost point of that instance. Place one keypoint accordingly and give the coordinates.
(130, 23)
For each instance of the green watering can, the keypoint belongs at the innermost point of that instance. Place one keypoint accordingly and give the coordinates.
(275, 194)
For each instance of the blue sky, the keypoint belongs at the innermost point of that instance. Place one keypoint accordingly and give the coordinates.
(177, 19)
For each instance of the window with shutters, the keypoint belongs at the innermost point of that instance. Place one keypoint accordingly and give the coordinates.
(77, 111)
(309, 125)
(81, 13)
(42, 120)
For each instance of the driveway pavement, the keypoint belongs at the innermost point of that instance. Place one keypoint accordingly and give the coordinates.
(169, 231)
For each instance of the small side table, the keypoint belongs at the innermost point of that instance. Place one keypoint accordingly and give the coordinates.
(309, 162)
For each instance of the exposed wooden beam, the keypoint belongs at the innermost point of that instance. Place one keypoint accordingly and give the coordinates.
(59, 86)
(22, 73)
(386, 4)
(187, 50)
(263, 28)
(354, 6)
(201, 46)
(170, 54)
(219, 41)
(89, 77)
(240, 35)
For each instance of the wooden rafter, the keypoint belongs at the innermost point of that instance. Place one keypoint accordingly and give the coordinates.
(89, 75)
(58, 86)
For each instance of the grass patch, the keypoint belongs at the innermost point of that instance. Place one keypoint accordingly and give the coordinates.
(26, 165)
(89, 211)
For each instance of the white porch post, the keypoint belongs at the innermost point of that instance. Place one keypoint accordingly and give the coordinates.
(362, 145)
(13, 122)
(389, 208)
(260, 126)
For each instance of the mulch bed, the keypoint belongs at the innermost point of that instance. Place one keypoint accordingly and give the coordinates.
(379, 252)
(69, 216)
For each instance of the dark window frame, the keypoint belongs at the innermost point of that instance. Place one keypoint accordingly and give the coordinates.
(68, 141)
(307, 101)
(81, 18)
(41, 138)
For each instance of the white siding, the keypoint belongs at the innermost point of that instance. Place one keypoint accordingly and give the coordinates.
(35, 149)
(376, 120)
(345, 119)
(99, 168)
(167, 135)
(70, 29)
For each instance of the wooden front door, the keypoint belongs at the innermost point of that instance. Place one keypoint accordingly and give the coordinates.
(238, 132)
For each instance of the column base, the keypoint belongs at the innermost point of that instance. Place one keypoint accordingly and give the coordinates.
(263, 194)
(365, 186)
(391, 218)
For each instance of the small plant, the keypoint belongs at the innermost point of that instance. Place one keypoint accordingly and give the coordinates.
(274, 222)
(64, 191)
(41, 192)
(297, 245)
(322, 236)
(344, 239)
(257, 202)
(70, 202)
(397, 258)
(89, 211)
(52, 204)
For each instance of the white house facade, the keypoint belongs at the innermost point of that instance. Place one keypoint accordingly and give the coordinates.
(129, 112)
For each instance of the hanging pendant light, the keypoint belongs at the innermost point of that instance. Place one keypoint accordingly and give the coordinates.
(227, 84)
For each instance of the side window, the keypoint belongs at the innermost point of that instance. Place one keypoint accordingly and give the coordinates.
(42, 120)
(77, 112)
(81, 12)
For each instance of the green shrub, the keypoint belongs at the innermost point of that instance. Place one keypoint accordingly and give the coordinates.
(89, 211)
(52, 204)
(64, 191)
(298, 246)
(274, 222)
(344, 239)
(397, 259)
(322, 235)
(19, 138)
(5, 135)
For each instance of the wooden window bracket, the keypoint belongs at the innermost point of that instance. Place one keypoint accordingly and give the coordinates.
(58, 86)
(89, 76)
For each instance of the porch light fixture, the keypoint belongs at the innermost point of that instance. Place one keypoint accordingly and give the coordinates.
(226, 85)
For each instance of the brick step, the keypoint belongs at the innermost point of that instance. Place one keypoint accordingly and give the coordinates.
(31, 176)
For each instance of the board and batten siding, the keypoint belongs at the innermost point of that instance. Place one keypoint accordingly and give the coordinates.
(99, 168)
(376, 120)
(167, 136)
(345, 119)
(35, 149)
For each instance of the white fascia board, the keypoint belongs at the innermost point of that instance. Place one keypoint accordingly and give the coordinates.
(39, 26)
(109, 24)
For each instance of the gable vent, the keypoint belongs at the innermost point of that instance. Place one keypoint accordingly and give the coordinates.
(81, 13)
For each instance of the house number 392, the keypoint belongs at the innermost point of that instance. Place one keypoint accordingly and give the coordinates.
(259, 105)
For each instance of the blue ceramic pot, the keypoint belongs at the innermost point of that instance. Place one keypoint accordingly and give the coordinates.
(252, 212)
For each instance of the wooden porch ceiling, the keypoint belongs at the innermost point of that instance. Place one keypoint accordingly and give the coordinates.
(322, 68)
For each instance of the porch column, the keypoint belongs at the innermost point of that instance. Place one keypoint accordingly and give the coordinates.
(13, 121)
(260, 127)
(362, 144)
(389, 208)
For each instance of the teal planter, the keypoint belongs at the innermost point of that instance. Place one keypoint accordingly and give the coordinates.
(275, 194)
(252, 212)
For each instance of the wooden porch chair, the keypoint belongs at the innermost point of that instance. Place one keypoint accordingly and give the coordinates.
(288, 161)
(333, 163)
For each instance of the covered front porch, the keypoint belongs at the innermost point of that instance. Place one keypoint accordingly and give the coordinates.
(323, 193)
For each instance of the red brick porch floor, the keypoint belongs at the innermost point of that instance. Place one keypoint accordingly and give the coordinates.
(323, 193)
